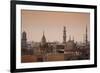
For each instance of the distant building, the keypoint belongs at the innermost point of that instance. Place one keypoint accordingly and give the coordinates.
(55, 51)
(26, 47)
(60, 48)
(24, 50)
(86, 37)
(70, 44)
(64, 35)
(24, 40)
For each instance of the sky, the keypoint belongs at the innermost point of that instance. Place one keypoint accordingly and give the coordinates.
(34, 23)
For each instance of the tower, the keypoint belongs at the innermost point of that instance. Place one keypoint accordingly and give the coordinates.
(24, 40)
(24, 43)
(64, 35)
(43, 40)
(86, 36)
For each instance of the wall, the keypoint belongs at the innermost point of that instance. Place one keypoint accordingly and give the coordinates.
(5, 36)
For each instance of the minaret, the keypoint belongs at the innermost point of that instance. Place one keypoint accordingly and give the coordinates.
(43, 41)
(64, 35)
(24, 40)
(86, 37)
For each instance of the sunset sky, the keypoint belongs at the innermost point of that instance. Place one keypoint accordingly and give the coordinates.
(34, 23)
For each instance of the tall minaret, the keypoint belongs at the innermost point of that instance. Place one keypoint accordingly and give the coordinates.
(86, 36)
(64, 35)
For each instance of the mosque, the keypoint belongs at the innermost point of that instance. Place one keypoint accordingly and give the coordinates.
(54, 51)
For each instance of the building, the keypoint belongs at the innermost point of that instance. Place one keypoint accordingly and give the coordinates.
(24, 40)
(54, 51)
(64, 35)
(24, 44)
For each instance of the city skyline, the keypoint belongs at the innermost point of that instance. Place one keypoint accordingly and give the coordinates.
(34, 23)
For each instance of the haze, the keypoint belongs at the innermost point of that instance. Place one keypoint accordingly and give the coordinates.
(34, 23)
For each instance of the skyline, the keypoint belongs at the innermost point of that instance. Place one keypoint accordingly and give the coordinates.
(34, 23)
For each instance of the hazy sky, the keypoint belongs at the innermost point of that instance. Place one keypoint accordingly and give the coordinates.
(52, 23)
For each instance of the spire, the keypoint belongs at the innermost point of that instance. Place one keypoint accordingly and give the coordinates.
(86, 37)
(43, 41)
(64, 35)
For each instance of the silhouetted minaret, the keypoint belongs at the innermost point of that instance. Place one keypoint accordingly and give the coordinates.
(43, 41)
(64, 35)
(86, 36)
